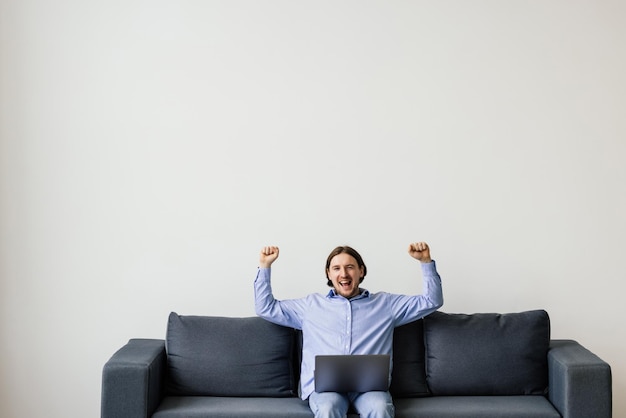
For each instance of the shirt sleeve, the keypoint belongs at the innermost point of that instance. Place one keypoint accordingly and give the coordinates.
(287, 313)
(407, 309)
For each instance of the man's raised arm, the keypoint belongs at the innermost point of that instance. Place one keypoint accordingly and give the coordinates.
(284, 313)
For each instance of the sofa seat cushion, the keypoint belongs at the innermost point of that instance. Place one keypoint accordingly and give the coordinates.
(218, 356)
(487, 354)
(229, 407)
(476, 407)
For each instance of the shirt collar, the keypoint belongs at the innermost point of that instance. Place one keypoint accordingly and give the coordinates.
(364, 294)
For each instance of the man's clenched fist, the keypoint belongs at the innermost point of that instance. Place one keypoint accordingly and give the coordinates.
(268, 256)
(420, 251)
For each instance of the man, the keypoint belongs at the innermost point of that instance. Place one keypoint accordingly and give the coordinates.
(347, 320)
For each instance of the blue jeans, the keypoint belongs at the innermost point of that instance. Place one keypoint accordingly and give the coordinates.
(367, 404)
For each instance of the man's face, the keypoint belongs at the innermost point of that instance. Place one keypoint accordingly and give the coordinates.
(345, 274)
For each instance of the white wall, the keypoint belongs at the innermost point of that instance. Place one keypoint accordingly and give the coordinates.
(150, 148)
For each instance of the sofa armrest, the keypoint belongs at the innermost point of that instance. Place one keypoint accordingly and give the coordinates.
(132, 380)
(580, 382)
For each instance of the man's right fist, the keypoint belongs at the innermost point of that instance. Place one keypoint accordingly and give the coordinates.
(268, 256)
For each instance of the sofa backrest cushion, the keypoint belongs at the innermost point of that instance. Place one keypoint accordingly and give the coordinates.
(218, 356)
(487, 354)
(408, 376)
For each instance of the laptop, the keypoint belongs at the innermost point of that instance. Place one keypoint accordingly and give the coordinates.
(352, 373)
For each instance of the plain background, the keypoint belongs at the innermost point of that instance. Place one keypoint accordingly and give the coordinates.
(150, 148)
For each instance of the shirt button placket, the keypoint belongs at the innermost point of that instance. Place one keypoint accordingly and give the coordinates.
(348, 327)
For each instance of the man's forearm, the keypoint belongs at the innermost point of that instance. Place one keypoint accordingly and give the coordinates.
(432, 283)
(263, 298)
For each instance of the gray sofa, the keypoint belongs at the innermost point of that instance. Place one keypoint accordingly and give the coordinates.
(444, 366)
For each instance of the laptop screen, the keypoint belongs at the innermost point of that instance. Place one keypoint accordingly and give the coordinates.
(352, 373)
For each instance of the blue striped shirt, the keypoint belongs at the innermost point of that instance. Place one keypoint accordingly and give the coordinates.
(332, 324)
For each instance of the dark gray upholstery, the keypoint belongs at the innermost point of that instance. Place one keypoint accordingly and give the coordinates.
(231, 407)
(216, 356)
(133, 380)
(580, 382)
(476, 407)
(134, 384)
(487, 354)
(408, 377)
